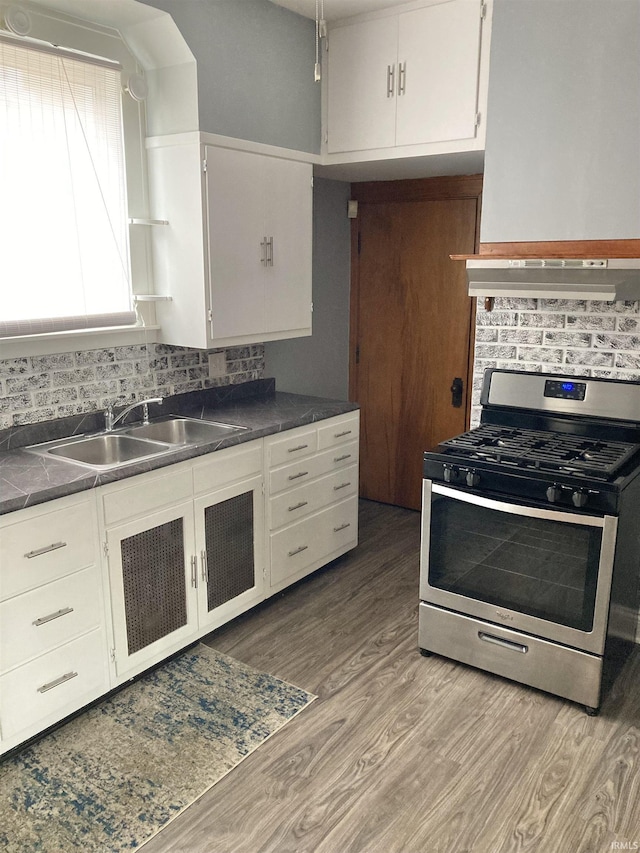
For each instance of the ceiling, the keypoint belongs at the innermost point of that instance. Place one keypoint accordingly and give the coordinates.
(335, 9)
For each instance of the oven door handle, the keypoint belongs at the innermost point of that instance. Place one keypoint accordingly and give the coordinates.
(518, 509)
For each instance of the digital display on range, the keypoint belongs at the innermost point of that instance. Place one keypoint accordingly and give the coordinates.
(565, 389)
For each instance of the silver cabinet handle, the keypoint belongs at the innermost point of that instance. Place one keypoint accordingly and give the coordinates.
(391, 70)
(298, 506)
(297, 476)
(342, 527)
(342, 458)
(58, 681)
(270, 252)
(37, 553)
(402, 77)
(44, 619)
(298, 550)
(505, 644)
(341, 486)
(297, 447)
(194, 571)
(340, 434)
(204, 571)
(263, 252)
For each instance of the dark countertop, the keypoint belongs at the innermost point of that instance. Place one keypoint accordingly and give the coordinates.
(27, 479)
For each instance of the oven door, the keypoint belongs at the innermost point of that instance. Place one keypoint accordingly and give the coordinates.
(543, 571)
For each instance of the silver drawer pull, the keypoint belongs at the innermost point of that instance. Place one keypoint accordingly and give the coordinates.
(44, 619)
(298, 506)
(298, 550)
(203, 565)
(342, 527)
(341, 486)
(299, 447)
(344, 432)
(506, 644)
(66, 677)
(297, 476)
(342, 458)
(54, 547)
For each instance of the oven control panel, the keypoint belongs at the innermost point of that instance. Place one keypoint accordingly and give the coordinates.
(565, 389)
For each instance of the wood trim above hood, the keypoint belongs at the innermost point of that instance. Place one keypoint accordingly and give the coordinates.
(556, 249)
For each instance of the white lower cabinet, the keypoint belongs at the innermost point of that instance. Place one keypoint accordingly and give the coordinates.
(184, 549)
(188, 559)
(312, 497)
(53, 649)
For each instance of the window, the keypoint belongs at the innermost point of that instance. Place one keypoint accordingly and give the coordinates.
(63, 213)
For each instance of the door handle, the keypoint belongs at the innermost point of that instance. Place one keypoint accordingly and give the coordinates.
(456, 393)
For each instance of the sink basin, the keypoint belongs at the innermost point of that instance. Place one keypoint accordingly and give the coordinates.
(106, 451)
(184, 431)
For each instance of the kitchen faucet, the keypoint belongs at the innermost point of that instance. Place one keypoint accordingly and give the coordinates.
(110, 420)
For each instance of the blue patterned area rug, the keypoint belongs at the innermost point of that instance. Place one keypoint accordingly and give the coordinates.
(113, 777)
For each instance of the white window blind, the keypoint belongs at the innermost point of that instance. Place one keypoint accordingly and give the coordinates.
(64, 257)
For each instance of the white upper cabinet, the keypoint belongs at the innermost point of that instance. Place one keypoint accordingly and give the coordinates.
(406, 79)
(235, 256)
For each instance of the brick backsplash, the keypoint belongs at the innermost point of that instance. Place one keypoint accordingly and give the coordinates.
(572, 336)
(44, 387)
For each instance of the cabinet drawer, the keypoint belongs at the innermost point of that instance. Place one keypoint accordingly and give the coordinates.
(148, 493)
(46, 546)
(296, 444)
(39, 621)
(339, 431)
(313, 540)
(227, 466)
(289, 506)
(53, 685)
(300, 472)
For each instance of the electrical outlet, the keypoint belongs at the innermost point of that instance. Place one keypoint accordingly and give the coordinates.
(217, 364)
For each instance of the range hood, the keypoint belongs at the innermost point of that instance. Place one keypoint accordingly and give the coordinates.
(606, 270)
(604, 279)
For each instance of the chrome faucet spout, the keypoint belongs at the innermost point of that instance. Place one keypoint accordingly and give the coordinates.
(110, 420)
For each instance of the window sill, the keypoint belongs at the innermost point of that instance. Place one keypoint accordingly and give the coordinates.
(77, 339)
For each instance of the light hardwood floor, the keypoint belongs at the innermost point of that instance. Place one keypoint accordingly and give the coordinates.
(406, 754)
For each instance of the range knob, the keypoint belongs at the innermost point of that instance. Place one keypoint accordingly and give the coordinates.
(553, 493)
(450, 473)
(579, 498)
(472, 478)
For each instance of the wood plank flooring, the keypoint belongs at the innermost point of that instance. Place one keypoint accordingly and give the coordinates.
(405, 754)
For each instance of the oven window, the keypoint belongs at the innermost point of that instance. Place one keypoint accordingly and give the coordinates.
(547, 569)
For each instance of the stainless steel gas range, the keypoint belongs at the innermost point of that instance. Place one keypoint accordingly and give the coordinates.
(530, 558)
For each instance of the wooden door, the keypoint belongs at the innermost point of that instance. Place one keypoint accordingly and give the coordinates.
(411, 326)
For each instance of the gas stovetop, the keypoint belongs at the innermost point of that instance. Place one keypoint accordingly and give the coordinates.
(545, 438)
(542, 450)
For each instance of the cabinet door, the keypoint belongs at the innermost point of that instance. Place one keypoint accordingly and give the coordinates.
(438, 61)
(288, 194)
(236, 235)
(229, 536)
(152, 580)
(362, 84)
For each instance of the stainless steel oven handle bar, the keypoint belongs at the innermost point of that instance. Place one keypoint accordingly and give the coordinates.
(519, 509)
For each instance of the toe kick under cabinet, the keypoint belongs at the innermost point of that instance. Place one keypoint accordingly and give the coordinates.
(312, 497)
(53, 648)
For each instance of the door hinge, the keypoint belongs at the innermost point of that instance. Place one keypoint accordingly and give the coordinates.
(105, 548)
(359, 242)
(112, 654)
(483, 10)
(204, 165)
(478, 119)
(326, 137)
(312, 180)
(357, 353)
(311, 307)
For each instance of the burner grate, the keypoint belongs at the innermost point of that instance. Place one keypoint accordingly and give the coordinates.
(550, 451)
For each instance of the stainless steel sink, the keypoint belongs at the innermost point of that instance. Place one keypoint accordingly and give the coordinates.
(183, 431)
(104, 451)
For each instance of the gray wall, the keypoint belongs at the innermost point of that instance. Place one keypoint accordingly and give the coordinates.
(563, 121)
(320, 364)
(255, 70)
